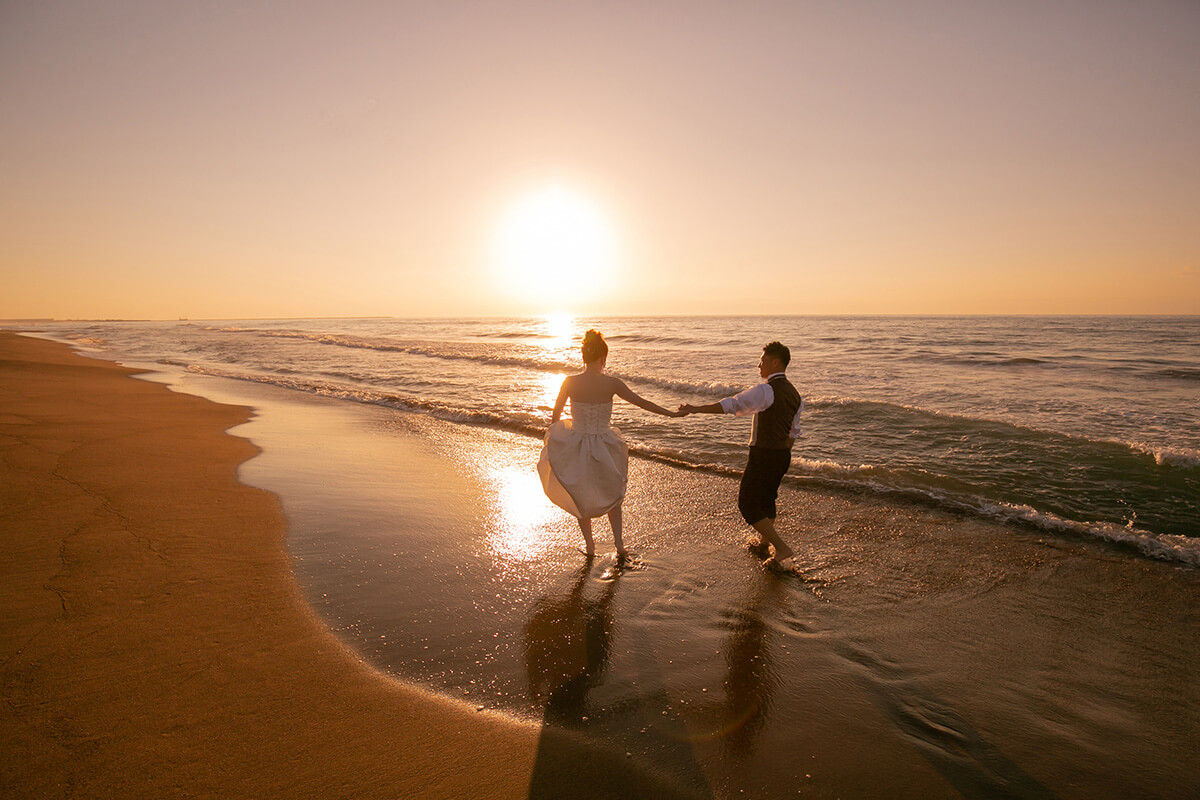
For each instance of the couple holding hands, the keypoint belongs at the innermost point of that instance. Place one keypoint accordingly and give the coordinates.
(584, 463)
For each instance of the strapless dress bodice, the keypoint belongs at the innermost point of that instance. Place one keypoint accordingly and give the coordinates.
(591, 419)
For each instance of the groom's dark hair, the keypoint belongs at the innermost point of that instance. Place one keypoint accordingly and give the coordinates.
(779, 351)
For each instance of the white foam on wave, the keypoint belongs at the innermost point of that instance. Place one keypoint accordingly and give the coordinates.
(703, 388)
(1168, 456)
(822, 402)
(875, 480)
(90, 342)
(868, 478)
(682, 387)
(1161, 546)
(515, 421)
(1164, 455)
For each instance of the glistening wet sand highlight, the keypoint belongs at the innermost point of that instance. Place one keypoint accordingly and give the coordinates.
(155, 643)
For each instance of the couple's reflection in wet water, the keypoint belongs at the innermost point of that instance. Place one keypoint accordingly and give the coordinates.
(567, 644)
(751, 677)
(650, 727)
(641, 743)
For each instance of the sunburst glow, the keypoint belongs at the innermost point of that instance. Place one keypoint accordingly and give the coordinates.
(559, 327)
(554, 244)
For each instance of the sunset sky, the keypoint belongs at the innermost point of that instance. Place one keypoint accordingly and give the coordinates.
(230, 159)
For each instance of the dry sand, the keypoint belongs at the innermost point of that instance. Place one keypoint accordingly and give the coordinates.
(155, 643)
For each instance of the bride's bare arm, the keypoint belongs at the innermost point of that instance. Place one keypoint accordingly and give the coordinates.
(627, 394)
(560, 402)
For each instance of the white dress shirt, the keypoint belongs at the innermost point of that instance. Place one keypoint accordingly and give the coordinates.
(759, 398)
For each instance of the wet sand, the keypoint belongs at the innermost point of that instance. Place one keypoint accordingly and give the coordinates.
(155, 643)
(918, 654)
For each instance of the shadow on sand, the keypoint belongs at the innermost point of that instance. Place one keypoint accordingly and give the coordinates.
(580, 753)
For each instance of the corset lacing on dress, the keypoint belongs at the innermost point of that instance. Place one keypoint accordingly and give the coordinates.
(590, 419)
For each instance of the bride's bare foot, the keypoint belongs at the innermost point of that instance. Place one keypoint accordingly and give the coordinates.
(589, 544)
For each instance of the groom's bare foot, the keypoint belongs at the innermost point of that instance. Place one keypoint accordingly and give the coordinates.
(760, 548)
(776, 564)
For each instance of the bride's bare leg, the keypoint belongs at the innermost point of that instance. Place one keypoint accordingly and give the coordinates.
(614, 519)
(585, 525)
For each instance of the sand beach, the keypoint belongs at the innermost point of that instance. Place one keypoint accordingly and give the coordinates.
(155, 643)
(397, 617)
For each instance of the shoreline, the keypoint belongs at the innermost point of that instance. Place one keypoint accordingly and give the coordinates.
(156, 643)
(427, 628)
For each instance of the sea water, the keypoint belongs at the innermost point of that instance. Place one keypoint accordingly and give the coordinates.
(1079, 425)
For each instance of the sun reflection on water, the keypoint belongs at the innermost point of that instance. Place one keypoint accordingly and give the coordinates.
(558, 332)
(525, 522)
(559, 328)
(547, 390)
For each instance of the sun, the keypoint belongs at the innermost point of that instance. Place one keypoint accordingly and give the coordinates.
(554, 244)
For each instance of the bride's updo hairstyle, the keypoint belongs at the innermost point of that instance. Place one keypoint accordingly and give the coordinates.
(594, 347)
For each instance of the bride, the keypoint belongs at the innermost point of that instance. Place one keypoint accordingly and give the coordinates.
(584, 462)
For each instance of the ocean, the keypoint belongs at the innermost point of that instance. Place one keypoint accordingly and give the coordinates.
(996, 520)
(1085, 426)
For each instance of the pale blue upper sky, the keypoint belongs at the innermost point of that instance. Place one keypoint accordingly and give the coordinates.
(209, 159)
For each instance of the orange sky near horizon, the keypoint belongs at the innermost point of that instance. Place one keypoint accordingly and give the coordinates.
(211, 160)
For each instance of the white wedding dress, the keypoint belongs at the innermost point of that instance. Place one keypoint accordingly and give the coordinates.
(584, 463)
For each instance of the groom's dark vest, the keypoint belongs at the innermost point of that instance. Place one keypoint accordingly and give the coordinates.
(772, 427)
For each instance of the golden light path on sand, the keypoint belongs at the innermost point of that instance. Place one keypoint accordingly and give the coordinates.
(522, 514)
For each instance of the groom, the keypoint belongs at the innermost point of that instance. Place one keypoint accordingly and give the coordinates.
(776, 406)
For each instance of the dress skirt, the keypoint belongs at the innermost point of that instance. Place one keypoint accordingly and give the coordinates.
(584, 473)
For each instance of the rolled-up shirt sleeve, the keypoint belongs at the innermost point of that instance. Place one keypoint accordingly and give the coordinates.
(756, 398)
